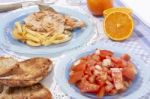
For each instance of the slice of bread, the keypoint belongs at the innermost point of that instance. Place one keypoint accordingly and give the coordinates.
(26, 73)
(6, 63)
(36, 91)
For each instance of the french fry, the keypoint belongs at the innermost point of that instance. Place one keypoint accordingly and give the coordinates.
(34, 32)
(60, 37)
(18, 26)
(49, 40)
(45, 34)
(61, 41)
(24, 30)
(31, 43)
(16, 35)
(37, 34)
(32, 38)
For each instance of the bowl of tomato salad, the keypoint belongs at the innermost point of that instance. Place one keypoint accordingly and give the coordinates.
(102, 73)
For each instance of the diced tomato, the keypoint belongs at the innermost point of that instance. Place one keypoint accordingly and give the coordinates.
(117, 78)
(91, 62)
(123, 64)
(119, 63)
(75, 77)
(109, 72)
(88, 71)
(99, 63)
(130, 64)
(105, 69)
(86, 77)
(113, 92)
(95, 57)
(100, 83)
(102, 76)
(96, 72)
(104, 53)
(129, 73)
(79, 67)
(125, 57)
(92, 79)
(108, 57)
(112, 65)
(101, 92)
(109, 86)
(109, 78)
(101, 73)
(116, 60)
(85, 86)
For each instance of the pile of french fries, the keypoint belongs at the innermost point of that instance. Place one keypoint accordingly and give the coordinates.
(34, 38)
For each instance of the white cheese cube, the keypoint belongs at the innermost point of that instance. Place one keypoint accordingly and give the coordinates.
(106, 62)
(98, 67)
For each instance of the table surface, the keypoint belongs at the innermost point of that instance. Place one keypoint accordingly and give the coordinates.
(138, 44)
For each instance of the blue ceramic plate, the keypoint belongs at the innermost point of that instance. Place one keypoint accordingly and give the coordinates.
(137, 90)
(80, 36)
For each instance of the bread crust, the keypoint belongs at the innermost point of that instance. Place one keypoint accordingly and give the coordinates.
(26, 73)
(37, 91)
(6, 63)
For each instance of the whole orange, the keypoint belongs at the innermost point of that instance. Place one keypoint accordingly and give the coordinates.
(98, 6)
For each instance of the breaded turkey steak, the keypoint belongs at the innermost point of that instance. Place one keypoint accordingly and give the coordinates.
(26, 73)
(36, 91)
